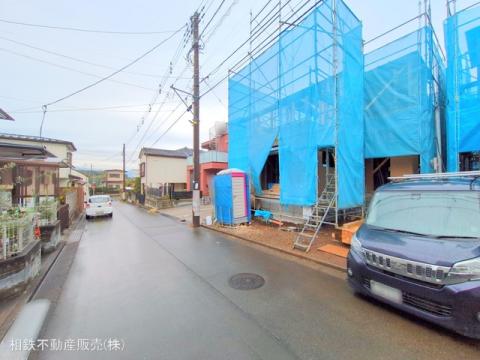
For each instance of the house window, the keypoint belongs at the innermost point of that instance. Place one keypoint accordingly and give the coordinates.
(116, 176)
(142, 169)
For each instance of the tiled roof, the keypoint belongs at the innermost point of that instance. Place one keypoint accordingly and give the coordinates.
(179, 153)
(37, 139)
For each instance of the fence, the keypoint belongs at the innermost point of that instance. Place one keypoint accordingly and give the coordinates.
(47, 212)
(74, 198)
(158, 202)
(63, 215)
(164, 196)
(16, 233)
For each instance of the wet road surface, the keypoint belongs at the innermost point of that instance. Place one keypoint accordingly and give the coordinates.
(162, 289)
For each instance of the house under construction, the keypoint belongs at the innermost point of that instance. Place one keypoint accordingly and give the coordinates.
(404, 104)
(462, 42)
(318, 125)
(295, 118)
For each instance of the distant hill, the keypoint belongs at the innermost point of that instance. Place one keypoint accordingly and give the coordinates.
(99, 173)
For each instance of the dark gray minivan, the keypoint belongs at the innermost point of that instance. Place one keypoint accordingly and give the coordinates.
(419, 250)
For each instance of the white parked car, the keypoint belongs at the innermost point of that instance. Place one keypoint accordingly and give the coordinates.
(99, 205)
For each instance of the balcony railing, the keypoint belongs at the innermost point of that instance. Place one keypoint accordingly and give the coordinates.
(210, 156)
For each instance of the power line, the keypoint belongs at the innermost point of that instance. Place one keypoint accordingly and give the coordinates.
(262, 24)
(72, 69)
(212, 17)
(169, 128)
(158, 127)
(262, 45)
(73, 58)
(220, 22)
(74, 110)
(96, 31)
(214, 94)
(149, 126)
(87, 108)
(173, 63)
(21, 99)
(115, 72)
(184, 112)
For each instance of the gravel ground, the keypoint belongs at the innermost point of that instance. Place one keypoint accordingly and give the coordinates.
(275, 237)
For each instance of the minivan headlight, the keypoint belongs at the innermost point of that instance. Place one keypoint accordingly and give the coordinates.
(356, 245)
(465, 270)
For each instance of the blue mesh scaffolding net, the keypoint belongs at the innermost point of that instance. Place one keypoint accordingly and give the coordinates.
(403, 86)
(293, 95)
(462, 42)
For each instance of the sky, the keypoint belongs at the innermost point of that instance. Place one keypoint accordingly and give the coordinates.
(40, 65)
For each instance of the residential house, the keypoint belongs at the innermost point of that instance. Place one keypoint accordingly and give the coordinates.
(27, 173)
(213, 160)
(114, 179)
(62, 149)
(162, 168)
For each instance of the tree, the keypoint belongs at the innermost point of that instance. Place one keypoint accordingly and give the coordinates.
(137, 185)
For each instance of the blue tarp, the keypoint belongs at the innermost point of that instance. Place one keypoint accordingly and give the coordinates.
(462, 41)
(399, 98)
(290, 93)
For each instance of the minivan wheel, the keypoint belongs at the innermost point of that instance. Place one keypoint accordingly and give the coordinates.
(87, 217)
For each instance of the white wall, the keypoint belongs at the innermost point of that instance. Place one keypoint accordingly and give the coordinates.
(161, 170)
(86, 186)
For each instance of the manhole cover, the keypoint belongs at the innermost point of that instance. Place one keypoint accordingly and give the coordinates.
(246, 281)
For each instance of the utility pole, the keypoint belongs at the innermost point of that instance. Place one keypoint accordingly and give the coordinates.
(124, 174)
(93, 184)
(195, 19)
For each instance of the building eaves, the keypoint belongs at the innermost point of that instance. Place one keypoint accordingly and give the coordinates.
(37, 139)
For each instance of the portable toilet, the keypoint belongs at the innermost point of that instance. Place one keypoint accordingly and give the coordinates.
(232, 197)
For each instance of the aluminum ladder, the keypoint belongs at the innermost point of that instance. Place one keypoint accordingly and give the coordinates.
(321, 214)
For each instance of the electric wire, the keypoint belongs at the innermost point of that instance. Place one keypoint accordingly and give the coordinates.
(174, 61)
(169, 128)
(72, 69)
(212, 17)
(73, 58)
(96, 31)
(260, 47)
(117, 71)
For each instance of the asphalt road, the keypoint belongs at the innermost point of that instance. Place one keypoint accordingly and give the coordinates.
(161, 288)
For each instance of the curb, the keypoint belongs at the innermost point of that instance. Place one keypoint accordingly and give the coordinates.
(319, 262)
(174, 218)
(44, 275)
